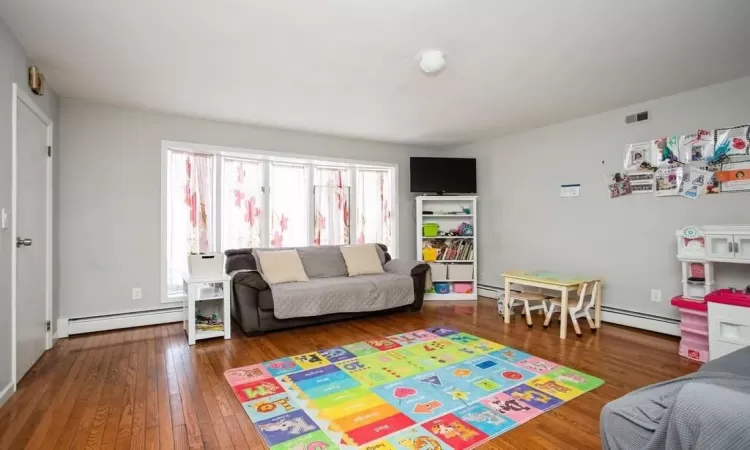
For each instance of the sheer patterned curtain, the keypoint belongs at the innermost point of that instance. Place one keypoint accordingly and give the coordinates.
(190, 212)
(241, 208)
(289, 203)
(374, 207)
(331, 220)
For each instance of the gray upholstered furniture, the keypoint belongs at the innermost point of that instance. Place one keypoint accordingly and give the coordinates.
(253, 299)
(708, 409)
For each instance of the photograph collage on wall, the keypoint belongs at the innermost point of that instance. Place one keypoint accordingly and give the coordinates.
(692, 165)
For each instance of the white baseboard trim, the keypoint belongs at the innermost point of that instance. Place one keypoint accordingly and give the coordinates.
(643, 323)
(67, 327)
(487, 292)
(6, 393)
(62, 327)
(635, 320)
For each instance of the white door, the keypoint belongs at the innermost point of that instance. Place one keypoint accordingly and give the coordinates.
(31, 239)
(742, 247)
(720, 246)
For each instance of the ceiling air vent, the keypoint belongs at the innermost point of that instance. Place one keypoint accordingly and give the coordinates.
(637, 117)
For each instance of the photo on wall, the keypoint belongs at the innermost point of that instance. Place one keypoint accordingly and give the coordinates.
(667, 181)
(641, 182)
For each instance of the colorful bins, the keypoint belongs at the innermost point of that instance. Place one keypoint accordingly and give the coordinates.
(442, 288)
(693, 328)
(430, 229)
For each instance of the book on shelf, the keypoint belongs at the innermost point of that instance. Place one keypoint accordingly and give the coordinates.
(457, 250)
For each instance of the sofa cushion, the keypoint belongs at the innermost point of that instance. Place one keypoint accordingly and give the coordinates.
(323, 262)
(362, 259)
(281, 267)
(321, 296)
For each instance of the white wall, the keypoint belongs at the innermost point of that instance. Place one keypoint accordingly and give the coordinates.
(13, 69)
(630, 241)
(109, 187)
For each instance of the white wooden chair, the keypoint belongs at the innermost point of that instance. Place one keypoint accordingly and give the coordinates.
(527, 294)
(575, 311)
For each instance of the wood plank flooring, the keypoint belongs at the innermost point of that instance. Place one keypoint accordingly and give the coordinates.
(145, 388)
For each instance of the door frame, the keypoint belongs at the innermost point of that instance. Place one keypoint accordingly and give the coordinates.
(20, 96)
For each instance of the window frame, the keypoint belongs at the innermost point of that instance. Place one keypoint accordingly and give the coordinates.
(311, 162)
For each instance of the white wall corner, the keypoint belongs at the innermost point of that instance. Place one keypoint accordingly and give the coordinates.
(5, 393)
(62, 328)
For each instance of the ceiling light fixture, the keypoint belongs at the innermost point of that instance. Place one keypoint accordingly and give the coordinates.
(431, 61)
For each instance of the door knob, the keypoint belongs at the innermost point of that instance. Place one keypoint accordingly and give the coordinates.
(23, 242)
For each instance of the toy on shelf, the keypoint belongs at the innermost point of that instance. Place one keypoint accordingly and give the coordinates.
(697, 272)
(702, 328)
(728, 320)
(693, 329)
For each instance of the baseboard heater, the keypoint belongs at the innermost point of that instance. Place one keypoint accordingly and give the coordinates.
(79, 325)
(635, 319)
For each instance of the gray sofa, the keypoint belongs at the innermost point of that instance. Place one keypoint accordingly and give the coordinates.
(708, 409)
(253, 299)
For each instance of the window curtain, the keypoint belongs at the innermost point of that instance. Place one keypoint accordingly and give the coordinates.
(374, 203)
(190, 212)
(331, 219)
(242, 204)
(289, 199)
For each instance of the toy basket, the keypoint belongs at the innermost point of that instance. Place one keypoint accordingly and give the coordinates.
(442, 288)
(461, 272)
(430, 229)
(206, 264)
(429, 254)
(439, 272)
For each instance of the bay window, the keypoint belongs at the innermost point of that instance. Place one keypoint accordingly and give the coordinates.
(218, 198)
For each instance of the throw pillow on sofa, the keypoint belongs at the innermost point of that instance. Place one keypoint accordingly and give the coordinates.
(362, 259)
(282, 266)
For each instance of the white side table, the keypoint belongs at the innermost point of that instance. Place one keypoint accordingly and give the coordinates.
(215, 289)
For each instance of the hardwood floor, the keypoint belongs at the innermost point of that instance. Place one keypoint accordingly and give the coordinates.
(146, 388)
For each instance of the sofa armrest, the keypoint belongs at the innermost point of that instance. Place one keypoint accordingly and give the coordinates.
(250, 278)
(418, 272)
(406, 267)
(246, 289)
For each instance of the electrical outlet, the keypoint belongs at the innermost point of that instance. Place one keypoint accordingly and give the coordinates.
(655, 295)
(137, 294)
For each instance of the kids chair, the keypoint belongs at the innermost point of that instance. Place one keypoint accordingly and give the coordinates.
(590, 289)
(527, 295)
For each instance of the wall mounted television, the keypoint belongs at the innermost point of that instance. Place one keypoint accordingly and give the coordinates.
(443, 175)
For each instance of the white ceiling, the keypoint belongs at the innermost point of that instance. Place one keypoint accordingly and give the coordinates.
(347, 67)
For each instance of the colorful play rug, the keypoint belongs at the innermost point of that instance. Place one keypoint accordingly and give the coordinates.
(423, 390)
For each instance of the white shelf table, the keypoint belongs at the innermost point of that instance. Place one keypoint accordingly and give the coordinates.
(448, 212)
(195, 293)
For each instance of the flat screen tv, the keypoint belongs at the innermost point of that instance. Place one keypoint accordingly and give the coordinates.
(443, 175)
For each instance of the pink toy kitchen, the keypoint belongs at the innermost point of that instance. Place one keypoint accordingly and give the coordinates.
(713, 322)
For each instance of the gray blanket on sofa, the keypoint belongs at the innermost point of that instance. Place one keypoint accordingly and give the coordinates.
(707, 409)
(362, 293)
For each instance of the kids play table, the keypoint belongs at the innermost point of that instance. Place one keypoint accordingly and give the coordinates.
(555, 282)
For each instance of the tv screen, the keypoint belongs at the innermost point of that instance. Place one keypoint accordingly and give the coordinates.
(443, 175)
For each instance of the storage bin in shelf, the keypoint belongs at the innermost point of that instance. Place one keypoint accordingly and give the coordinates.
(439, 272)
(461, 271)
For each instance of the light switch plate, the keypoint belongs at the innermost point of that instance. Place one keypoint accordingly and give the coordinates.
(3, 219)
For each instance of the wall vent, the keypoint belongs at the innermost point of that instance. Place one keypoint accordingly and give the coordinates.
(637, 117)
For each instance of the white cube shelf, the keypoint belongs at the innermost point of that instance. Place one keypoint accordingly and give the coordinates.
(449, 212)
